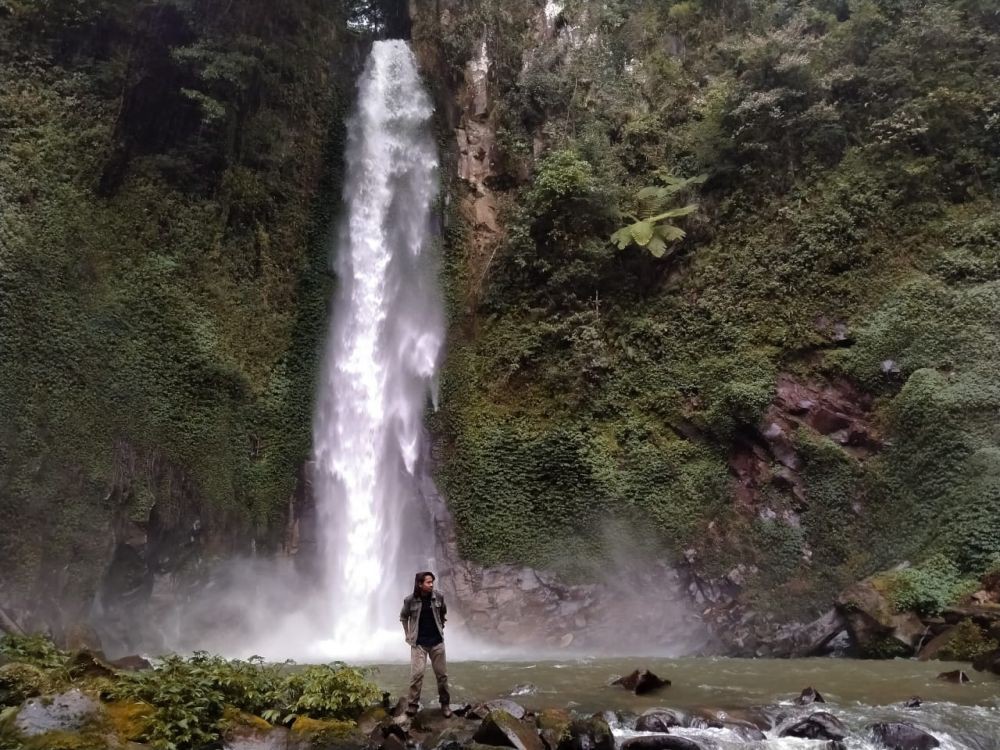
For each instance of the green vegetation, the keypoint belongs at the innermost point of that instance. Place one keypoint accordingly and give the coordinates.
(851, 153)
(188, 703)
(167, 174)
(967, 643)
(929, 587)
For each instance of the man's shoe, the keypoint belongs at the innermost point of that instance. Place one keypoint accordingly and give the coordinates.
(446, 712)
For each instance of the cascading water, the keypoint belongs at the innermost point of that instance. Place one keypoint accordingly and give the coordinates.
(380, 362)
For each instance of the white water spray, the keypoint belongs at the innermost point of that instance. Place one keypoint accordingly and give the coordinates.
(381, 357)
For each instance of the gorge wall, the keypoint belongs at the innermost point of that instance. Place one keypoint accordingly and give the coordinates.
(798, 393)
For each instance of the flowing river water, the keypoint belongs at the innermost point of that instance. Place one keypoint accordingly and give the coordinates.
(962, 717)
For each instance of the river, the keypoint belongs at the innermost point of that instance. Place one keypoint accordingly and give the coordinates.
(963, 717)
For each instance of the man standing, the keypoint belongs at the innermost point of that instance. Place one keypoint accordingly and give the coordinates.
(423, 616)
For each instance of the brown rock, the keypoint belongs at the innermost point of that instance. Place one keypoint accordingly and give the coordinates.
(502, 729)
(809, 695)
(641, 682)
(133, 663)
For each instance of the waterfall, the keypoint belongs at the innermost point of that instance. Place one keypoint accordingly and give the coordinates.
(381, 356)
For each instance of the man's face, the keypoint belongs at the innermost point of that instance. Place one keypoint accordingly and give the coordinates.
(427, 585)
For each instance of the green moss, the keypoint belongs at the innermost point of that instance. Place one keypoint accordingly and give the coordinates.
(18, 682)
(967, 642)
(162, 295)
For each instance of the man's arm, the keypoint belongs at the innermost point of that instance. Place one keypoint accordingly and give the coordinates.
(444, 611)
(404, 617)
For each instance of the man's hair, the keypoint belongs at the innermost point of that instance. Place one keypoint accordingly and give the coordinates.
(419, 579)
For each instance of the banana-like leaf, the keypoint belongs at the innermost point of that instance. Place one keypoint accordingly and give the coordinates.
(670, 233)
(652, 192)
(657, 247)
(623, 237)
(673, 213)
(642, 232)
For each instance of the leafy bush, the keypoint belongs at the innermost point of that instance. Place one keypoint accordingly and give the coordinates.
(33, 649)
(190, 695)
(929, 587)
(331, 691)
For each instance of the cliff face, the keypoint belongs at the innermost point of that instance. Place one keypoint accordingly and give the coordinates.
(781, 381)
(166, 173)
(792, 396)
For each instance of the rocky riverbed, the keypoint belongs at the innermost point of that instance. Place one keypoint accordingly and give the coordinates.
(579, 704)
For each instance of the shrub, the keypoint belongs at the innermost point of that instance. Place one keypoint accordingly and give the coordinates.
(966, 643)
(929, 587)
(36, 650)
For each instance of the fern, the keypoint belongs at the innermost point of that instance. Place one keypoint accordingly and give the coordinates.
(651, 227)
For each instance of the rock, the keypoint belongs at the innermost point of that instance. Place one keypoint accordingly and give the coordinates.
(816, 638)
(935, 645)
(501, 728)
(641, 682)
(914, 702)
(86, 663)
(957, 676)
(660, 720)
(875, 628)
(18, 682)
(482, 710)
(65, 712)
(900, 736)
(988, 662)
(328, 734)
(817, 726)
(554, 725)
(133, 663)
(661, 742)
(589, 734)
(808, 696)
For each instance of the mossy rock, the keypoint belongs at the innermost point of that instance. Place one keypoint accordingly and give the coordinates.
(554, 725)
(327, 733)
(69, 741)
(129, 721)
(19, 681)
(967, 643)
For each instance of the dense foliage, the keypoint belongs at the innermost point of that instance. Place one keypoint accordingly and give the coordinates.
(187, 703)
(848, 228)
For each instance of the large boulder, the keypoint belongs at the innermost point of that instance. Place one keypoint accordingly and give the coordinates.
(900, 736)
(660, 720)
(502, 729)
(817, 726)
(876, 629)
(65, 712)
